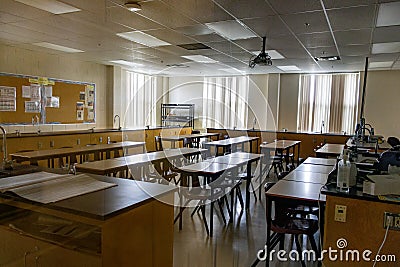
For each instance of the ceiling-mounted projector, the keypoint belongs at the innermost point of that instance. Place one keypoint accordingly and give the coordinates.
(263, 59)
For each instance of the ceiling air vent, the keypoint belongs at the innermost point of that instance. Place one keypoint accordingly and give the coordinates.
(194, 46)
(329, 58)
(177, 65)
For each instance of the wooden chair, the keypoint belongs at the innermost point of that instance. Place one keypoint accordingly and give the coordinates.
(285, 221)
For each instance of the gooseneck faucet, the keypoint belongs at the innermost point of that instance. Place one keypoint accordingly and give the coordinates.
(119, 121)
(7, 164)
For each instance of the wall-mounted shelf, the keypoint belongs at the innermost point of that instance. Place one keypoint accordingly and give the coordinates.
(177, 115)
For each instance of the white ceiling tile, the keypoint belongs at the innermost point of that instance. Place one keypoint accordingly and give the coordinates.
(308, 22)
(382, 48)
(354, 50)
(143, 38)
(323, 51)
(129, 19)
(295, 6)
(348, 3)
(350, 37)
(320, 39)
(21, 10)
(201, 11)
(52, 6)
(352, 18)
(270, 26)
(170, 36)
(386, 34)
(198, 29)
(7, 18)
(241, 8)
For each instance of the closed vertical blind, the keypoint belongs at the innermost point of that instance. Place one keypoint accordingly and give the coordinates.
(140, 100)
(225, 102)
(328, 102)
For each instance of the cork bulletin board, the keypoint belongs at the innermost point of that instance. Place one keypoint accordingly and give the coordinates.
(66, 101)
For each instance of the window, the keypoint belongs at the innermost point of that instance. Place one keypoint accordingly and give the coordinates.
(328, 103)
(140, 99)
(225, 102)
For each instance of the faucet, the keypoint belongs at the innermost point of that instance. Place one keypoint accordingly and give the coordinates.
(92, 129)
(322, 126)
(7, 164)
(36, 119)
(119, 121)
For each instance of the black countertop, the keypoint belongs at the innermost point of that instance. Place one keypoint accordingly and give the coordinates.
(283, 132)
(354, 193)
(107, 203)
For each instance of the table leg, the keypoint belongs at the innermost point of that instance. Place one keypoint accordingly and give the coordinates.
(298, 154)
(248, 181)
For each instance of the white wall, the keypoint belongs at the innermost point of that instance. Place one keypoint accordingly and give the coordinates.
(27, 62)
(382, 102)
(289, 91)
(187, 90)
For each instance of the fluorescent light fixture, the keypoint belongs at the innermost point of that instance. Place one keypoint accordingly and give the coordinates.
(388, 14)
(231, 30)
(200, 59)
(126, 63)
(142, 38)
(51, 6)
(382, 64)
(58, 47)
(133, 6)
(288, 68)
(272, 53)
(384, 48)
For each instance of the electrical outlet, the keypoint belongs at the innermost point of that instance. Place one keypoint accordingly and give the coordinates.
(100, 139)
(392, 220)
(40, 145)
(52, 143)
(78, 141)
(340, 213)
(126, 137)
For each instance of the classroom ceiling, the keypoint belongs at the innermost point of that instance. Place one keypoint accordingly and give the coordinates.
(225, 32)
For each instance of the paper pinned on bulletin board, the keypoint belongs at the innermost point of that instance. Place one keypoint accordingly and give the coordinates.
(8, 98)
(32, 107)
(35, 91)
(53, 102)
(79, 115)
(26, 91)
(48, 91)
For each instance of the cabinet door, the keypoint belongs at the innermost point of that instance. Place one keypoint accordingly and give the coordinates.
(51, 255)
(15, 248)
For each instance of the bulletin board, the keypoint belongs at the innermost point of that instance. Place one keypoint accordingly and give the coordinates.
(70, 102)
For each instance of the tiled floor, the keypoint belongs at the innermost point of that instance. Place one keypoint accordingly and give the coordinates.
(234, 244)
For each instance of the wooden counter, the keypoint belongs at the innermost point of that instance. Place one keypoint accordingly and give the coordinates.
(363, 228)
(121, 226)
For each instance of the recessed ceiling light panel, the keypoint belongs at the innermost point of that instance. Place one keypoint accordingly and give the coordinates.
(327, 58)
(142, 38)
(231, 30)
(200, 59)
(288, 68)
(126, 63)
(52, 6)
(382, 64)
(385, 48)
(388, 14)
(58, 47)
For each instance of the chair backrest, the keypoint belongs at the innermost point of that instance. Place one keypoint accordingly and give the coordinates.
(393, 141)
(158, 143)
(187, 142)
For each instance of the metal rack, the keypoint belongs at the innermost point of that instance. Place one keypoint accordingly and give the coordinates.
(177, 115)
